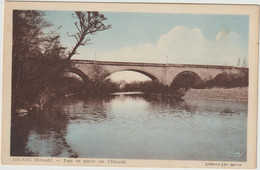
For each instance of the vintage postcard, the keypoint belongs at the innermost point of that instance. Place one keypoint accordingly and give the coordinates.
(130, 85)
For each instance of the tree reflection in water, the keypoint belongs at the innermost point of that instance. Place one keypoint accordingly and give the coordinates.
(133, 121)
(49, 127)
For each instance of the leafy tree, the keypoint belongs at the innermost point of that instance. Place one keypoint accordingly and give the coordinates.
(98, 74)
(36, 55)
(97, 77)
(27, 33)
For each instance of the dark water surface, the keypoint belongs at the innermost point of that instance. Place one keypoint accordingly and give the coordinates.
(134, 127)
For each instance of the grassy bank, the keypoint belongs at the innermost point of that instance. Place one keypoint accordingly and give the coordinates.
(230, 94)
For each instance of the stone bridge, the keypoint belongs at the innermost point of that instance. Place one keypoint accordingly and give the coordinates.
(163, 73)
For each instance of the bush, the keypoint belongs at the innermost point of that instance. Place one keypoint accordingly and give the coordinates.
(229, 80)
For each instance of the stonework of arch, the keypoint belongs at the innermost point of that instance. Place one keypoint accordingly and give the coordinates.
(189, 78)
(78, 72)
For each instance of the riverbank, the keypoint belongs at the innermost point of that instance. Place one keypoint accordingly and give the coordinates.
(239, 94)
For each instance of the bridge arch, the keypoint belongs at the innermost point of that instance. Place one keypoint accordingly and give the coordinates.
(152, 77)
(79, 73)
(186, 79)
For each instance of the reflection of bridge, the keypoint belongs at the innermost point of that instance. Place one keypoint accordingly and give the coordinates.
(163, 73)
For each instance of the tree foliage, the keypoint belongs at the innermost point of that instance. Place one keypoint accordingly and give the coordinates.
(99, 84)
(28, 33)
(36, 56)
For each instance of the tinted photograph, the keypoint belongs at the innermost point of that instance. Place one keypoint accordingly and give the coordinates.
(128, 85)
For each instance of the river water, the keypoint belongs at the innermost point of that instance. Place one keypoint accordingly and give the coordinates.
(134, 127)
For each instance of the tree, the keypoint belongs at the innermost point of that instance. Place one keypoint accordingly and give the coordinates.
(39, 60)
(36, 55)
(98, 73)
(88, 24)
(27, 33)
(99, 83)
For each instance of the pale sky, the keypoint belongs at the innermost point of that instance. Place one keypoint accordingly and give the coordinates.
(150, 37)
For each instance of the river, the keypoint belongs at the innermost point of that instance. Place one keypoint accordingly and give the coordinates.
(134, 127)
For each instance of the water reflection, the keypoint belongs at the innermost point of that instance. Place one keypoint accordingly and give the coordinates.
(134, 127)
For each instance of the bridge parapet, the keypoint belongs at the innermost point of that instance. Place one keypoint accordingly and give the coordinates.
(154, 64)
